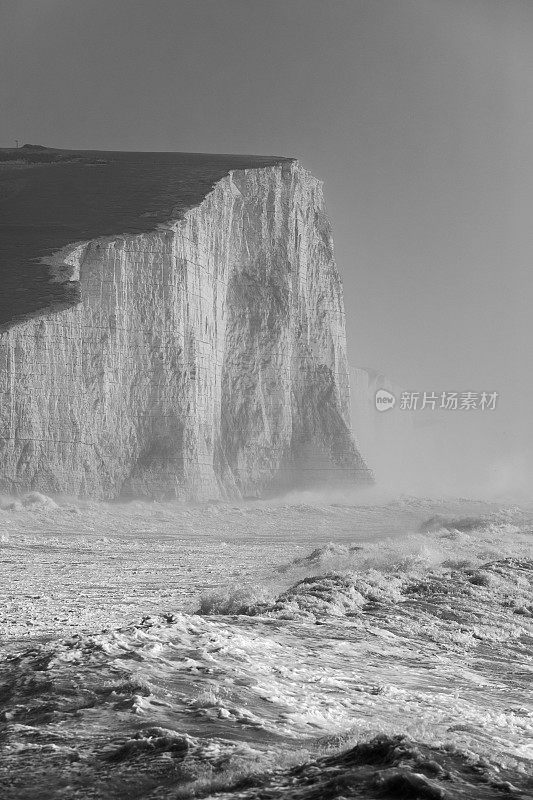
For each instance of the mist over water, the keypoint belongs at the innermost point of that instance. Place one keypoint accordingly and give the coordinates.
(447, 454)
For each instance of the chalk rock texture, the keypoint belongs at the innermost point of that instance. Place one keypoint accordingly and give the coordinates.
(204, 359)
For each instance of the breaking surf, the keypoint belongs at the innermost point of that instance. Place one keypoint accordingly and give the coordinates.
(366, 665)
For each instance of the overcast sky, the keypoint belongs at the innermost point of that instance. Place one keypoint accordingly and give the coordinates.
(417, 114)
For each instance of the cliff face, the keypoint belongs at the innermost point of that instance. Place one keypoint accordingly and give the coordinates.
(206, 358)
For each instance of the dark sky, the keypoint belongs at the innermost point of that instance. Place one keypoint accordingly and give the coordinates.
(417, 114)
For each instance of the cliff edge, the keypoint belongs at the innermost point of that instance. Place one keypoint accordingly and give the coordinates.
(185, 340)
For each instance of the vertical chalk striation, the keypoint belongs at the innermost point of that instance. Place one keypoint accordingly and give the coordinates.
(203, 359)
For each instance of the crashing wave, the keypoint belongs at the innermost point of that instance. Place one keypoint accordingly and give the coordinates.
(33, 501)
(326, 555)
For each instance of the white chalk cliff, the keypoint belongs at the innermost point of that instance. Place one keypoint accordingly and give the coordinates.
(206, 358)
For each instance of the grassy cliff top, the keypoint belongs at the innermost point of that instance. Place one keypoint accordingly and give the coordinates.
(50, 198)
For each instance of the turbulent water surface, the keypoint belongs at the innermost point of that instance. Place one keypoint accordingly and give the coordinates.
(298, 650)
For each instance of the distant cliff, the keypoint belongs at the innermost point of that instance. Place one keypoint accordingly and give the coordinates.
(202, 358)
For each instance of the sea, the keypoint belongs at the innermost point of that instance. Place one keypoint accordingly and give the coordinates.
(321, 646)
